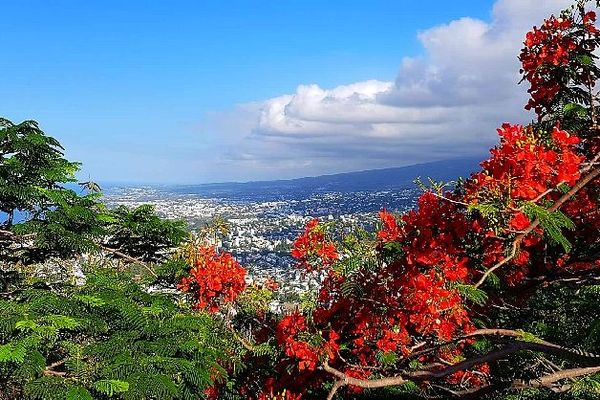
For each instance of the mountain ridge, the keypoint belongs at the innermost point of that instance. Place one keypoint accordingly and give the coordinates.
(364, 180)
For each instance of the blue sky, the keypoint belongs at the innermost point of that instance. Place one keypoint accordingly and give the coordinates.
(195, 91)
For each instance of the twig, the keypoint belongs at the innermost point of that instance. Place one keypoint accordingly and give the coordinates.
(245, 343)
(440, 196)
(129, 258)
(49, 370)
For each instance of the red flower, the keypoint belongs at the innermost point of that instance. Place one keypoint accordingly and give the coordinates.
(287, 335)
(312, 249)
(216, 279)
(519, 221)
(271, 284)
(390, 231)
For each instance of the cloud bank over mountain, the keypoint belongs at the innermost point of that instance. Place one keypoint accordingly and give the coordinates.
(445, 103)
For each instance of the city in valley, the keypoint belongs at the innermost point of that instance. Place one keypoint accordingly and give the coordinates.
(262, 228)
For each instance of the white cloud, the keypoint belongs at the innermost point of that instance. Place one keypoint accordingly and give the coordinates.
(444, 104)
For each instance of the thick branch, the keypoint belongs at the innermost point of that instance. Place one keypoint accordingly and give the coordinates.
(336, 386)
(14, 236)
(546, 381)
(427, 375)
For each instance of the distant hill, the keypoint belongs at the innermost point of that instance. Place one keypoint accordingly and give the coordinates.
(369, 180)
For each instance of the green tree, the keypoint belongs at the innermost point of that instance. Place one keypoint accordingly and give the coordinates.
(70, 224)
(29, 161)
(141, 233)
(33, 178)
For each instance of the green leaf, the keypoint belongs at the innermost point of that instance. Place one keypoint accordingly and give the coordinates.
(473, 294)
(575, 109)
(26, 324)
(11, 352)
(528, 337)
(409, 387)
(484, 208)
(591, 289)
(552, 223)
(263, 349)
(482, 345)
(79, 393)
(63, 322)
(386, 358)
(586, 385)
(110, 387)
(415, 364)
(91, 301)
(154, 310)
(585, 59)
(563, 188)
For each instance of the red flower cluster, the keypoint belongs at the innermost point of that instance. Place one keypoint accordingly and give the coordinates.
(549, 52)
(589, 19)
(289, 331)
(546, 49)
(312, 249)
(287, 336)
(216, 279)
(411, 297)
(523, 166)
(519, 221)
(270, 392)
(390, 230)
(527, 165)
(271, 284)
(396, 298)
(584, 211)
(434, 258)
(434, 308)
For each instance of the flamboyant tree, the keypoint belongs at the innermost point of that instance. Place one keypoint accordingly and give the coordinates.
(439, 300)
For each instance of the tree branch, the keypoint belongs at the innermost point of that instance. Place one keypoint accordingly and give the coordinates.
(594, 173)
(512, 348)
(114, 252)
(336, 386)
(49, 370)
(129, 258)
(14, 236)
(245, 343)
(545, 381)
(548, 380)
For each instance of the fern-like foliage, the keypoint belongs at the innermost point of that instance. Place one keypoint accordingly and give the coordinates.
(109, 338)
(553, 223)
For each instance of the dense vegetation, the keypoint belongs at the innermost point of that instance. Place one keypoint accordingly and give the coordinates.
(485, 290)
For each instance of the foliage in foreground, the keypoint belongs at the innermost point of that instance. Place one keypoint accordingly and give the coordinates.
(108, 338)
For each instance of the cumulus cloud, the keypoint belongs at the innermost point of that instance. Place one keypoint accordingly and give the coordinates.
(444, 104)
